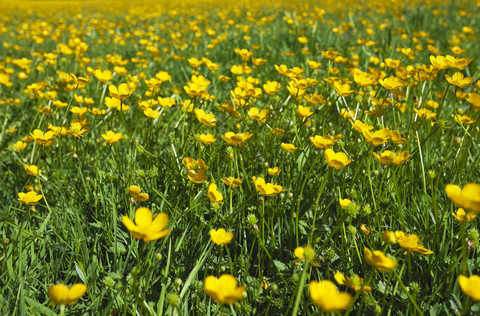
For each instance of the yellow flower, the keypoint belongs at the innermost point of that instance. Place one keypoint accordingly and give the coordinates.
(232, 182)
(307, 253)
(103, 76)
(330, 54)
(325, 141)
(206, 139)
(355, 282)
(468, 197)
(378, 260)
(388, 156)
(145, 227)
(389, 237)
(410, 242)
(236, 139)
(271, 87)
(206, 119)
(344, 203)
(342, 89)
(474, 100)
(462, 216)
(112, 137)
(221, 237)
(113, 103)
(303, 112)
(60, 294)
(470, 286)
(213, 194)
(196, 169)
(266, 189)
(29, 198)
(288, 147)
(425, 114)
(136, 193)
(122, 92)
(19, 146)
(275, 171)
(32, 170)
(225, 289)
(336, 160)
(150, 113)
(257, 115)
(378, 137)
(391, 83)
(326, 295)
(458, 80)
(46, 139)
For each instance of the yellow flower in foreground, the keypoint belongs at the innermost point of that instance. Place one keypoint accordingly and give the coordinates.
(470, 286)
(60, 294)
(103, 76)
(336, 160)
(355, 282)
(266, 189)
(468, 197)
(462, 216)
(29, 198)
(344, 203)
(378, 260)
(112, 137)
(32, 170)
(225, 289)
(213, 194)
(326, 295)
(136, 193)
(389, 237)
(288, 147)
(410, 242)
(221, 236)
(122, 92)
(145, 227)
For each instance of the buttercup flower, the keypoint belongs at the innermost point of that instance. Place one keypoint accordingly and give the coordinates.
(378, 260)
(225, 289)
(206, 119)
(213, 194)
(467, 198)
(257, 115)
(410, 242)
(266, 189)
(288, 147)
(326, 295)
(29, 198)
(236, 139)
(145, 227)
(32, 170)
(221, 237)
(336, 160)
(136, 193)
(462, 216)
(232, 182)
(122, 92)
(275, 171)
(307, 253)
(112, 137)
(355, 282)
(470, 286)
(325, 141)
(206, 139)
(60, 294)
(459, 80)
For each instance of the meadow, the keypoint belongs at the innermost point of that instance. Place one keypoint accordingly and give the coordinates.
(239, 158)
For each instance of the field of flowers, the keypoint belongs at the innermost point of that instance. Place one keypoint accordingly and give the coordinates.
(239, 158)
